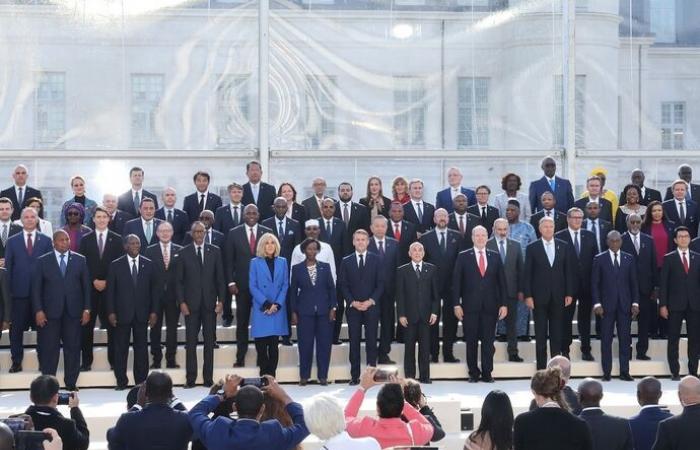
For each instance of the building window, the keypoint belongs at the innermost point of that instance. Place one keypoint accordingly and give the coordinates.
(146, 93)
(409, 107)
(672, 125)
(50, 109)
(473, 112)
(233, 111)
(320, 110)
(662, 20)
(579, 108)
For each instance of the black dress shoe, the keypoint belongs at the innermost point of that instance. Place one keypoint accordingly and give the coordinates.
(337, 342)
(450, 359)
(606, 378)
(216, 345)
(72, 388)
(675, 377)
(385, 360)
(189, 386)
(487, 379)
(501, 338)
(434, 359)
(155, 365)
(425, 381)
(16, 368)
(354, 382)
(208, 383)
(226, 323)
(524, 338)
(172, 365)
(643, 357)
(586, 356)
(515, 358)
(626, 377)
(323, 382)
(239, 364)
(303, 382)
(120, 387)
(85, 368)
(473, 379)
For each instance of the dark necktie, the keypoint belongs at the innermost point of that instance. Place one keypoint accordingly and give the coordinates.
(199, 256)
(681, 215)
(20, 198)
(502, 250)
(381, 248)
(594, 224)
(483, 213)
(346, 214)
(137, 202)
(236, 217)
(577, 245)
(101, 244)
(208, 236)
(252, 242)
(418, 271)
(201, 202)
(461, 225)
(30, 245)
(280, 230)
(362, 262)
(329, 229)
(443, 244)
(420, 212)
(686, 267)
(4, 234)
(62, 265)
(170, 216)
(616, 263)
(134, 272)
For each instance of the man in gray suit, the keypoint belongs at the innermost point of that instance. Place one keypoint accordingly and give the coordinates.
(512, 259)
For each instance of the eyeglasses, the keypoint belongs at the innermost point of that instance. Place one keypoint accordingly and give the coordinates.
(73, 213)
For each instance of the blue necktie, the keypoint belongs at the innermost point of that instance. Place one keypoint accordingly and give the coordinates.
(577, 245)
(62, 265)
(502, 251)
(552, 184)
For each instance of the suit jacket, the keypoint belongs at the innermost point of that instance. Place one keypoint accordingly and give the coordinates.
(384, 211)
(299, 213)
(691, 215)
(444, 261)
(549, 283)
(132, 303)
(56, 294)
(571, 398)
(608, 432)
(471, 222)
(199, 285)
(20, 265)
(10, 193)
(677, 290)
(563, 193)
(165, 279)
(613, 288)
(513, 266)
(266, 197)
(181, 223)
(388, 262)
(606, 212)
(267, 289)
(308, 299)
(11, 231)
(292, 235)
(474, 293)
(117, 222)
(156, 426)
(98, 267)
(73, 431)
(408, 236)
(409, 213)
(238, 255)
(584, 259)
(559, 221)
(694, 192)
(336, 239)
(680, 432)
(223, 218)
(311, 207)
(650, 195)
(5, 299)
(647, 272)
(491, 215)
(604, 227)
(217, 238)
(551, 429)
(645, 426)
(362, 284)
(125, 202)
(417, 298)
(135, 226)
(191, 205)
(443, 199)
(359, 219)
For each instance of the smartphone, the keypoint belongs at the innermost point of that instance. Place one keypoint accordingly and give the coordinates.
(257, 381)
(64, 397)
(16, 424)
(31, 440)
(382, 375)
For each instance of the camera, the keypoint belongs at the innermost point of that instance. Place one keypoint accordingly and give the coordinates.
(64, 397)
(257, 382)
(25, 437)
(383, 375)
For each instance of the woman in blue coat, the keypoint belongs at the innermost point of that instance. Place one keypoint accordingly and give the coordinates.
(269, 282)
(313, 302)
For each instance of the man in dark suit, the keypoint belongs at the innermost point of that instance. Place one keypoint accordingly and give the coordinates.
(441, 249)
(682, 432)
(240, 248)
(231, 215)
(685, 173)
(354, 215)
(100, 248)
(117, 218)
(178, 218)
(480, 296)
(560, 187)
(583, 245)
(144, 226)
(417, 307)
(444, 198)
(511, 255)
(7, 227)
(211, 235)
(608, 432)
(594, 187)
(599, 227)
(485, 212)
(200, 292)
(417, 211)
(201, 200)
(548, 285)
(680, 210)
(5, 301)
(19, 192)
(679, 298)
(361, 279)
(401, 230)
(130, 201)
(313, 203)
(641, 246)
(332, 232)
(648, 194)
(131, 308)
(615, 296)
(645, 424)
(462, 221)
(61, 304)
(21, 255)
(162, 255)
(547, 209)
(258, 192)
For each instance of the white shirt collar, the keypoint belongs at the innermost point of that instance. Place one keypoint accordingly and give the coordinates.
(165, 244)
(377, 240)
(58, 255)
(131, 260)
(252, 185)
(27, 233)
(551, 179)
(417, 202)
(650, 406)
(686, 251)
(199, 194)
(680, 201)
(612, 256)
(98, 232)
(23, 187)
(458, 215)
(418, 264)
(146, 222)
(591, 408)
(593, 199)
(254, 227)
(133, 192)
(545, 241)
(8, 223)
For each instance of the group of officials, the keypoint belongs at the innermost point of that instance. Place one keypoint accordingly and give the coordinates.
(396, 268)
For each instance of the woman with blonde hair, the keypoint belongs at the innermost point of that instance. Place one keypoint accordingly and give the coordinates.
(77, 184)
(269, 282)
(399, 189)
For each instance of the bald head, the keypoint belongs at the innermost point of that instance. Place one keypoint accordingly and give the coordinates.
(648, 391)
(563, 363)
(689, 390)
(7, 440)
(590, 393)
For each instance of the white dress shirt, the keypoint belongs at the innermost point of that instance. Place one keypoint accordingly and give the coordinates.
(58, 257)
(130, 260)
(455, 191)
(687, 255)
(364, 257)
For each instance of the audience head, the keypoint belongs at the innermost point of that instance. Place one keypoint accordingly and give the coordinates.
(546, 385)
(413, 394)
(594, 186)
(379, 226)
(497, 420)
(345, 191)
(563, 363)
(165, 232)
(328, 208)
(310, 248)
(374, 188)
(74, 214)
(207, 218)
(440, 217)
(689, 391)
(454, 177)
(159, 387)
(655, 213)
(590, 393)
(136, 177)
(549, 166)
(44, 391)
(633, 194)
(500, 228)
(685, 173)
(511, 182)
(416, 251)
(36, 203)
(249, 402)
(324, 416)
(253, 171)
(396, 211)
(110, 202)
(614, 240)
(319, 186)
(101, 218)
(482, 193)
(548, 201)
(460, 203)
(201, 180)
(169, 197)
(648, 391)
(20, 174)
(312, 229)
(479, 236)
(7, 438)
(280, 206)
(390, 401)
(251, 215)
(148, 208)
(198, 231)
(77, 184)
(287, 192)
(235, 193)
(637, 178)
(546, 227)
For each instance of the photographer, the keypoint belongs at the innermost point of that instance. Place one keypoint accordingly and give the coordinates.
(415, 397)
(44, 394)
(247, 432)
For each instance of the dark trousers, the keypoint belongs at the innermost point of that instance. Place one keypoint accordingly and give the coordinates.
(549, 314)
(227, 311)
(387, 319)
(479, 326)
(622, 318)
(67, 331)
(98, 302)
(122, 333)
(583, 307)
(206, 322)
(171, 312)
(449, 330)
(658, 326)
(268, 354)
(646, 307)
(243, 305)
(22, 318)
(356, 320)
(417, 332)
(340, 310)
(512, 326)
(692, 322)
(314, 329)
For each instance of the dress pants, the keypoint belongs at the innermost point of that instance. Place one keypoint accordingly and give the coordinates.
(206, 322)
(171, 312)
(356, 320)
(22, 318)
(122, 333)
(583, 307)
(675, 322)
(316, 328)
(479, 326)
(227, 311)
(623, 320)
(417, 332)
(268, 354)
(511, 321)
(339, 311)
(243, 306)
(67, 331)
(646, 307)
(449, 330)
(658, 326)
(98, 302)
(548, 313)
(387, 319)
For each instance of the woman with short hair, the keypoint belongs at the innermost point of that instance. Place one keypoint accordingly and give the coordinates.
(323, 416)
(77, 184)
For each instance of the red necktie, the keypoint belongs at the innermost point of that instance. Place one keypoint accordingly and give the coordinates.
(252, 242)
(685, 263)
(482, 264)
(30, 246)
(397, 231)
(461, 225)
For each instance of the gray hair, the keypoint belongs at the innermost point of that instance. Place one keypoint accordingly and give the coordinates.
(324, 416)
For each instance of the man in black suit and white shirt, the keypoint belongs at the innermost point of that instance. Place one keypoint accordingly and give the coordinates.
(313, 203)
(258, 192)
(130, 201)
(486, 213)
(548, 209)
(176, 217)
(418, 211)
(20, 192)
(463, 221)
(7, 228)
(117, 218)
(354, 215)
(145, 225)
(401, 230)
(685, 173)
(608, 432)
(682, 432)
(211, 236)
(231, 215)
(648, 194)
(202, 199)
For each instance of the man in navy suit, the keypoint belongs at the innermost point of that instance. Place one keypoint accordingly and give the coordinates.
(61, 304)
(20, 192)
(462, 220)
(479, 300)
(599, 227)
(176, 217)
(685, 173)
(130, 201)
(416, 210)
(486, 213)
(144, 226)
(7, 227)
(594, 187)
(332, 232)
(201, 200)
(117, 218)
(258, 192)
(5, 301)
(131, 308)
(645, 424)
(560, 187)
(548, 208)
(680, 210)
(401, 230)
(231, 215)
(23, 250)
(354, 215)
(444, 198)
(615, 296)
(361, 280)
(648, 194)
(211, 235)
